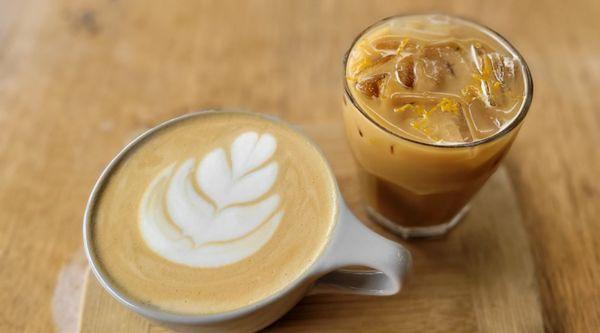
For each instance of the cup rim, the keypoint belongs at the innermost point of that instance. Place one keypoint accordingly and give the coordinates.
(190, 319)
(523, 110)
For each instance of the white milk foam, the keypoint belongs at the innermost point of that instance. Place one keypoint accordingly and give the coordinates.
(211, 213)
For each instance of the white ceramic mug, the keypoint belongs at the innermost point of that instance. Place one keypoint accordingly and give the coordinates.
(350, 244)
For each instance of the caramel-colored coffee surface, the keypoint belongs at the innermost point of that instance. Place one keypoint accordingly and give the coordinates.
(308, 202)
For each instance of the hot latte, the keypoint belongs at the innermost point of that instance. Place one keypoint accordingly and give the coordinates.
(213, 212)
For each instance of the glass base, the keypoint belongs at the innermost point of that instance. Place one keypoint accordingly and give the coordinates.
(415, 232)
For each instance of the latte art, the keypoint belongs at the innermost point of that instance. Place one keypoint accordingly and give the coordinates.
(215, 211)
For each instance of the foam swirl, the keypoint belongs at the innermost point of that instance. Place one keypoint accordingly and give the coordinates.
(215, 212)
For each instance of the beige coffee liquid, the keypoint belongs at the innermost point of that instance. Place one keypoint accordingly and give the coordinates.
(213, 213)
(418, 85)
(435, 79)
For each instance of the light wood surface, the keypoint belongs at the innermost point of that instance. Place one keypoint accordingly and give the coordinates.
(80, 78)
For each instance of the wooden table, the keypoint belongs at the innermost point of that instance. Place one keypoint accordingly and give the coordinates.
(78, 79)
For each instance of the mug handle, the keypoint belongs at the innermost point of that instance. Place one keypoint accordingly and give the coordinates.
(354, 244)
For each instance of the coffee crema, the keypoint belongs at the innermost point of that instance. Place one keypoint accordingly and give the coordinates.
(213, 212)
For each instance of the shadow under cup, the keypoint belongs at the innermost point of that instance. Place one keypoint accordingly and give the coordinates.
(419, 189)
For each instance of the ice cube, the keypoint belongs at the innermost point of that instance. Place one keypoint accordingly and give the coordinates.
(431, 119)
(387, 44)
(395, 45)
(485, 120)
(437, 66)
(494, 76)
(372, 85)
(405, 71)
(503, 67)
(449, 127)
(476, 53)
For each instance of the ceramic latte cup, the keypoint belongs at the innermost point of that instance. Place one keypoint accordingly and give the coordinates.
(223, 220)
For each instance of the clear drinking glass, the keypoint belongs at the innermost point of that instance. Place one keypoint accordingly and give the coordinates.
(418, 189)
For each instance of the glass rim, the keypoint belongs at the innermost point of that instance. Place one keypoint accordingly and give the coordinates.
(528, 82)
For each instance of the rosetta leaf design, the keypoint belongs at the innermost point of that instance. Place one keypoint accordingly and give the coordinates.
(218, 211)
(187, 209)
(249, 151)
(242, 183)
(231, 210)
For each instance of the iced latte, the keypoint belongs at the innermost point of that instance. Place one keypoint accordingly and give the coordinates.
(432, 104)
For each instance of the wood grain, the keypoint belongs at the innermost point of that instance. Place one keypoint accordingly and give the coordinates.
(79, 78)
(480, 278)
